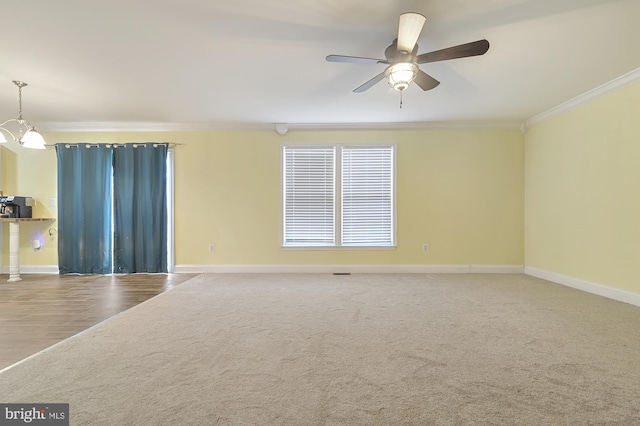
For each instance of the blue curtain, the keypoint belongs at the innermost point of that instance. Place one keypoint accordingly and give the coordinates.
(140, 208)
(84, 209)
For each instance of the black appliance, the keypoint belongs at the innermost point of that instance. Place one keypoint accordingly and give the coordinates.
(15, 206)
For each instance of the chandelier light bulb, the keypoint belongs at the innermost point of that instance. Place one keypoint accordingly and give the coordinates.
(32, 139)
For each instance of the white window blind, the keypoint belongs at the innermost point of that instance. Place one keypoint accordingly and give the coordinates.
(367, 196)
(338, 195)
(309, 196)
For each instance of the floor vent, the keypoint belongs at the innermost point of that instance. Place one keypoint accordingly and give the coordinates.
(342, 273)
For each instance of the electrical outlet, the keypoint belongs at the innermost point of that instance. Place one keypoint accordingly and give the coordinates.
(212, 247)
(425, 247)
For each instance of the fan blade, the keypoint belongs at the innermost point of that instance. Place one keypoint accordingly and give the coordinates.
(425, 81)
(409, 29)
(475, 48)
(369, 83)
(355, 59)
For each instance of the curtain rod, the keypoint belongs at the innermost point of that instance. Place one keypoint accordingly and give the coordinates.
(116, 145)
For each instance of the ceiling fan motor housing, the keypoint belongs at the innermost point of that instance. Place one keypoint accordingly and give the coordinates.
(394, 55)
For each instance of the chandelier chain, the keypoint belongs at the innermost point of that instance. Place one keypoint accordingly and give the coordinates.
(20, 102)
(20, 85)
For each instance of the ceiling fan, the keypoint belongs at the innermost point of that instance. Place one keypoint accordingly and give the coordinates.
(402, 58)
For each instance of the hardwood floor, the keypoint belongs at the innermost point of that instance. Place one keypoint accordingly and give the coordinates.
(42, 310)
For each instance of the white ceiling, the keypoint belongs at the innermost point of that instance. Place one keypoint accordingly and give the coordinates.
(258, 62)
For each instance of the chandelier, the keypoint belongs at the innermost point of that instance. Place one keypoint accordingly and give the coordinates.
(24, 133)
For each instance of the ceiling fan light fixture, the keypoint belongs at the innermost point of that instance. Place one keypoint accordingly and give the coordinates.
(400, 75)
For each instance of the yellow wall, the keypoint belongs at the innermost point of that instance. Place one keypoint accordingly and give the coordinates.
(460, 191)
(36, 177)
(8, 180)
(8, 172)
(581, 188)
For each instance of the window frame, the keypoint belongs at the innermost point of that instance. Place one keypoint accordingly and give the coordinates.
(338, 192)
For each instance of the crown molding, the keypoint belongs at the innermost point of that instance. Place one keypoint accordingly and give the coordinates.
(489, 124)
(205, 127)
(593, 94)
(148, 126)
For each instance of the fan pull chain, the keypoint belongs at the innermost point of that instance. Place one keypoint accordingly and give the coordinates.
(401, 98)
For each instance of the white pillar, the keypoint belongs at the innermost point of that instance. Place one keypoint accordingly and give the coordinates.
(14, 251)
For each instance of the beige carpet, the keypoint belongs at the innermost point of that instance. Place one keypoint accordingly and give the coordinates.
(348, 350)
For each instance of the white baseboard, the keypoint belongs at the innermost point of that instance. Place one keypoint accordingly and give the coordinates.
(589, 287)
(34, 269)
(496, 269)
(372, 269)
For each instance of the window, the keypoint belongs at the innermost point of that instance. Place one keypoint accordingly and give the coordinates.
(338, 195)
